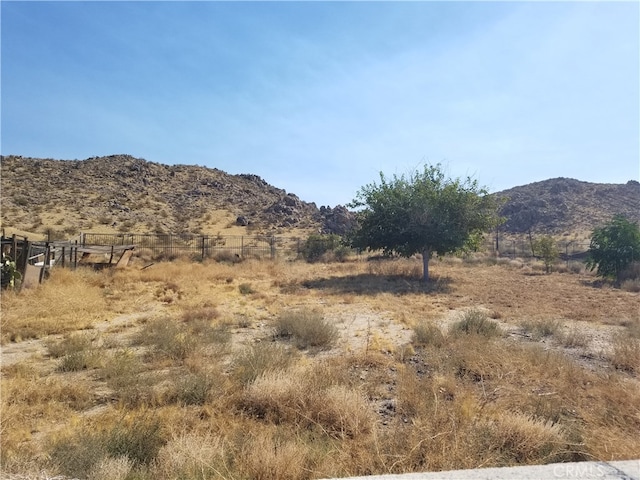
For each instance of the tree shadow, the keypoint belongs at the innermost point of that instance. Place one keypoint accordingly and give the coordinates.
(370, 284)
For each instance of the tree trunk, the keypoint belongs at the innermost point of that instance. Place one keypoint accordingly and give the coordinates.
(426, 253)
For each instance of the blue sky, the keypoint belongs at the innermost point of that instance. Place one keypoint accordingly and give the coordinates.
(319, 97)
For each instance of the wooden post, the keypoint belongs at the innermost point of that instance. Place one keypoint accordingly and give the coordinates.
(63, 257)
(111, 256)
(203, 252)
(14, 248)
(75, 257)
(46, 262)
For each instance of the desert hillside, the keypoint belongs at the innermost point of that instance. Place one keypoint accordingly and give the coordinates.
(123, 193)
(120, 193)
(565, 205)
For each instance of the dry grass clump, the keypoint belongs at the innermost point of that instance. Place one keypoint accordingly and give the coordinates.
(518, 439)
(306, 328)
(573, 338)
(251, 362)
(308, 399)
(396, 267)
(541, 328)
(178, 340)
(66, 302)
(475, 322)
(625, 353)
(426, 333)
(193, 455)
(138, 439)
(76, 352)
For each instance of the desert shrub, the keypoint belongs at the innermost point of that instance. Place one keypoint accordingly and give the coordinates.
(631, 272)
(77, 361)
(317, 245)
(625, 353)
(168, 338)
(75, 352)
(110, 468)
(193, 388)
(630, 285)
(267, 457)
(246, 289)
(574, 338)
(341, 253)
(138, 439)
(540, 328)
(576, 267)
(69, 344)
(301, 398)
(523, 439)
(77, 454)
(227, 256)
(122, 370)
(192, 456)
(426, 333)
(201, 313)
(307, 328)
(545, 248)
(254, 361)
(475, 322)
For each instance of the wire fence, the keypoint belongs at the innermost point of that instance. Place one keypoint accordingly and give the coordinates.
(521, 247)
(202, 246)
(272, 247)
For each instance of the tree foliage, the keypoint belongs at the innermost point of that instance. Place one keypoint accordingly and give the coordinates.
(614, 247)
(546, 248)
(424, 212)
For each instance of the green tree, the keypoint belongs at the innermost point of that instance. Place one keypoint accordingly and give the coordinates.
(424, 212)
(614, 247)
(545, 248)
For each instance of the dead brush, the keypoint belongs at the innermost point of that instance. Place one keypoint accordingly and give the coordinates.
(426, 333)
(306, 328)
(254, 361)
(193, 455)
(68, 301)
(268, 456)
(296, 397)
(541, 328)
(517, 439)
(625, 353)
(475, 322)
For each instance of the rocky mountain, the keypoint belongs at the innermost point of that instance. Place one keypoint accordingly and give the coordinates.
(565, 205)
(123, 193)
(120, 193)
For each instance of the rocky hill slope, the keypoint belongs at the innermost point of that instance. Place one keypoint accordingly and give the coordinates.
(565, 205)
(120, 193)
(123, 193)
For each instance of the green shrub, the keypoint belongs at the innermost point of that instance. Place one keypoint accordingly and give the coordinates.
(317, 245)
(307, 328)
